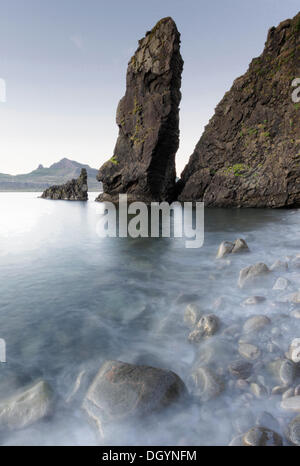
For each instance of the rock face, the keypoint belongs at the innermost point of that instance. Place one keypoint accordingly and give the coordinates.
(143, 163)
(74, 190)
(121, 391)
(248, 155)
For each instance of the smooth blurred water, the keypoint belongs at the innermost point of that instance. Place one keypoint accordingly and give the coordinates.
(70, 300)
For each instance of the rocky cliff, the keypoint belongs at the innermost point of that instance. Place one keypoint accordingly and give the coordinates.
(74, 190)
(143, 162)
(249, 153)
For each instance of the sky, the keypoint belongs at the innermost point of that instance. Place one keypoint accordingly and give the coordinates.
(64, 65)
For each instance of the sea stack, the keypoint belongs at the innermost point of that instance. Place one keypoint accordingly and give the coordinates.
(74, 190)
(143, 162)
(249, 153)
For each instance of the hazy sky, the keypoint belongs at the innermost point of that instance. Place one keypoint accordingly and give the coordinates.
(64, 63)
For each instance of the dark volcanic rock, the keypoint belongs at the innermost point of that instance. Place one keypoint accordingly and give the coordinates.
(143, 163)
(121, 391)
(248, 155)
(74, 190)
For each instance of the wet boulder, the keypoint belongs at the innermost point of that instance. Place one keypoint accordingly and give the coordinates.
(251, 274)
(254, 300)
(261, 437)
(27, 406)
(240, 369)
(293, 431)
(121, 392)
(256, 323)
(294, 350)
(227, 247)
(208, 325)
(291, 404)
(287, 372)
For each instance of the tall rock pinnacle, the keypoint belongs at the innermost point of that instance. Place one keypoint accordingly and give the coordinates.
(143, 163)
(249, 153)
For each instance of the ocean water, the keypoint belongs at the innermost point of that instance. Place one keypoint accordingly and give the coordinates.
(69, 300)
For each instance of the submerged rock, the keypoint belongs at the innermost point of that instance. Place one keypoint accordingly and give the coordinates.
(240, 369)
(287, 372)
(252, 273)
(291, 404)
(26, 407)
(256, 323)
(143, 163)
(74, 190)
(294, 350)
(293, 298)
(237, 441)
(279, 265)
(266, 419)
(293, 432)
(254, 300)
(248, 153)
(122, 391)
(297, 390)
(280, 284)
(207, 385)
(249, 351)
(296, 314)
(288, 393)
(261, 437)
(258, 390)
(192, 315)
(207, 326)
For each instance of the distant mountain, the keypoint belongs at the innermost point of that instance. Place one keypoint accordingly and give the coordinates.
(42, 177)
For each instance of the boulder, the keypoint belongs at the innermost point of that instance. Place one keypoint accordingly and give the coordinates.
(279, 265)
(294, 350)
(287, 372)
(254, 300)
(240, 245)
(280, 284)
(293, 432)
(251, 274)
(27, 406)
(240, 369)
(143, 162)
(122, 391)
(291, 404)
(208, 325)
(249, 351)
(225, 248)
(256, 323)
(261, 437)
